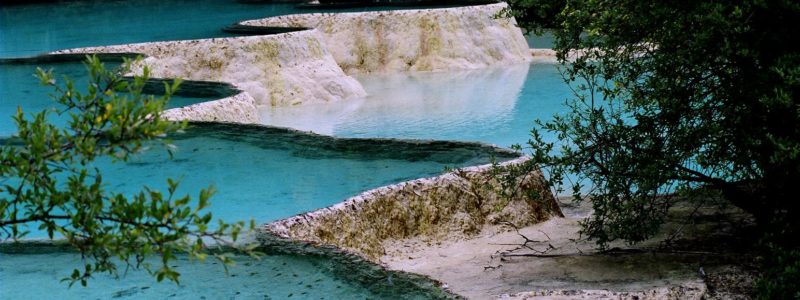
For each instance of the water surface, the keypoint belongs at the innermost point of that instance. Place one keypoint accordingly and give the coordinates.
(495, 105)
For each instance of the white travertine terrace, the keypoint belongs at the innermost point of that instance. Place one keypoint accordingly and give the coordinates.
(281, 69)
(284, 227)
(415, 40)
(239, 108)
(453, 205)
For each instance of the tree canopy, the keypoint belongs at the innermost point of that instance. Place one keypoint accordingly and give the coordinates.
(675, 99)
(49, 183)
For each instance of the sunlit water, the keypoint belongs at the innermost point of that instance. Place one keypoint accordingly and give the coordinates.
(497, 105)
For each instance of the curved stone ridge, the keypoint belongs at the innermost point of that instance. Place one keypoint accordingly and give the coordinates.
(456, 204)
(281, 69)
(416, 40)
(239, 108)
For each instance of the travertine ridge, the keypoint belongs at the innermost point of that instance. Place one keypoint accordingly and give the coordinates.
(468, 37)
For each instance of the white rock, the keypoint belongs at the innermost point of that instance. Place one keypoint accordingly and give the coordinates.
(282, 69)
(239, 108)
(417, 40)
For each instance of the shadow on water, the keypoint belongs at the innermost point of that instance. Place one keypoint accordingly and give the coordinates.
(287, 271)
(315, 146)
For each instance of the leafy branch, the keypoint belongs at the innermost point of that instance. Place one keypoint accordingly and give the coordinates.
(48, 180)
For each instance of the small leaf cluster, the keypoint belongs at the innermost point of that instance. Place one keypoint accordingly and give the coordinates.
(534, 15)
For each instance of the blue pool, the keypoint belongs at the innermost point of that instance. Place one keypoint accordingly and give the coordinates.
(260, 173)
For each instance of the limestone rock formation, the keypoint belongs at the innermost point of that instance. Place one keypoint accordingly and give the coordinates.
(455, 38)
(281, 69)
(455, 205)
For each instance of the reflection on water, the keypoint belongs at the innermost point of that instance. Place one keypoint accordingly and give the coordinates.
(495, 105)
(544, 40)
(259, 173)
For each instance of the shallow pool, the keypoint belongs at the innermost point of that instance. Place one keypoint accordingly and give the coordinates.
(268, 173)
(285, 276)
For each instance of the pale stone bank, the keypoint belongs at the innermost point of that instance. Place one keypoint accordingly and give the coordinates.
(468, 37)
(455, 205)
(239, 108)
(281, 69)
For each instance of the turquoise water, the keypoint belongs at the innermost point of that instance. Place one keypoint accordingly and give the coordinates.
(544, 40)
(36, 28)
(495, 106)
(260, 173)
(267, 175)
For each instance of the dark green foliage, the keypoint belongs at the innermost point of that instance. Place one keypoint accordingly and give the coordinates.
(678, 99)
(671, 97)
(782, 274)
(48, 181)
(535, 15)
